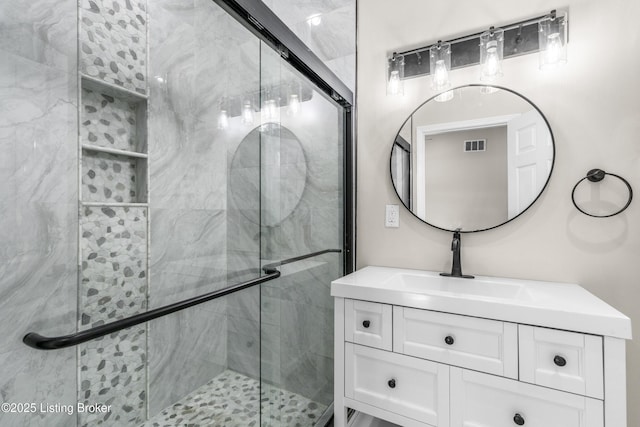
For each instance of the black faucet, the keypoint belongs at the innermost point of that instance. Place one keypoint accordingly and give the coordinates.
(456, 268)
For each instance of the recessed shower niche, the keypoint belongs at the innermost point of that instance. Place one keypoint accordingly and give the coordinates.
(113, 137)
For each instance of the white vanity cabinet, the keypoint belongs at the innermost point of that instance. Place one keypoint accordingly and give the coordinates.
(433, 357)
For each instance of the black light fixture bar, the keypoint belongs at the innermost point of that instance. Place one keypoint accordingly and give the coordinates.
(520, 38)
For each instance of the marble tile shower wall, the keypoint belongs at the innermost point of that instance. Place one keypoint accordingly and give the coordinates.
(296, 317)
(300, 333)
(297, 330)
(38, 213)
(198, 54)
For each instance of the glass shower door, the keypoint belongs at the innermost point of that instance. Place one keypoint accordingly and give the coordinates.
(301, 146)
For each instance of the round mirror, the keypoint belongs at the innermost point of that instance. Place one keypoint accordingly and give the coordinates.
(474, 159)
(268, 170)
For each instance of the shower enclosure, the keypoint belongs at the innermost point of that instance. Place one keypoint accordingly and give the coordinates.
(174, 154)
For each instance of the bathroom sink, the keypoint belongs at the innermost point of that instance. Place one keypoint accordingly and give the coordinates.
(549, 304)
(479, 287)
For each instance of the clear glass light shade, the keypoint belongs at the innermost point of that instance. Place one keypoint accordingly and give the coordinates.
(491, 51)
(440, 65)
(395, 75)
(247, 113)
(294, 105)
(223, 120)
(552, 38)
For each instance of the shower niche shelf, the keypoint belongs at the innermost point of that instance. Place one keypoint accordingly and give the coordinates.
(108, 177)
(113, 139)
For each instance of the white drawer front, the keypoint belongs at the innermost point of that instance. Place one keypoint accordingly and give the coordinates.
(411, 387)
(481, 400)
(563, 360)
(485, 345)
(368, 323)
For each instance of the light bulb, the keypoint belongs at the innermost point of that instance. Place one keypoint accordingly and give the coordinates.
(492, 63)
(294, 105)
(223, 120)
(394, 82)
(554, 48)
(247, 113)
(395, 74)
(440, 76)
(491, 67)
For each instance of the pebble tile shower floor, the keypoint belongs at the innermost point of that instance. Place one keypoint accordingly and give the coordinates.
(231, 400)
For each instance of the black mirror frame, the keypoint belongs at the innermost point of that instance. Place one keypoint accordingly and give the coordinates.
(553, 160)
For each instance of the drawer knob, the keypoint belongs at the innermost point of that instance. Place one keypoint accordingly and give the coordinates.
(449, 340)
(517, 418)
(559, 360)
(392, 383)
(366, 323)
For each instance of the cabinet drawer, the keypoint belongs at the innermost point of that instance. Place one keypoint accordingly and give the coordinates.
(482, 400)
(481, 344)
(407, 386)
(563, 360)
(368, 323)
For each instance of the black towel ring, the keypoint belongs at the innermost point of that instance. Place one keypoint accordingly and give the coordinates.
(597, 175)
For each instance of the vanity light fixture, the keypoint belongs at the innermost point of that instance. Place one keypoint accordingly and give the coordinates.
(547, 34)
(395, 75)
(491, 50)
(440, 63)
(552, 38)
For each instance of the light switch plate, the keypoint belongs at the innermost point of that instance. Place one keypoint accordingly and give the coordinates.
(392, 217)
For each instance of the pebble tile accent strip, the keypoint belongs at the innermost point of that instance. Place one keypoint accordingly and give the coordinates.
(112, 369)
(108, 121)
(113, 42)
(109, 178)
(232, 400)
(113, 372)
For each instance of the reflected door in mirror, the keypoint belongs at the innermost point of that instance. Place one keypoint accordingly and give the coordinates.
(474, 162)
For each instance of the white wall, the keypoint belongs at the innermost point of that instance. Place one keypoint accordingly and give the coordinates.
(466, 189)
(593, 109)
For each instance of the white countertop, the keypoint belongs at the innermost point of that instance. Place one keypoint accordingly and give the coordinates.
(555, 305)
